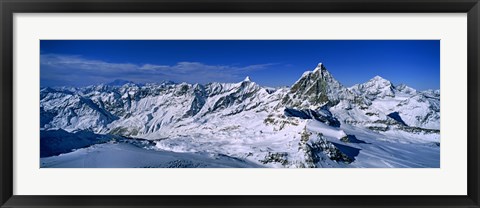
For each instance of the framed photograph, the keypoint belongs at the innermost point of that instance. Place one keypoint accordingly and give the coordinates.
(239, 104)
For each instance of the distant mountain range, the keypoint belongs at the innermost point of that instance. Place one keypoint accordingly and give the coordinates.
(317, 122)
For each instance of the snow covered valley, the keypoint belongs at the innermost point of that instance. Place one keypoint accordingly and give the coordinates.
(315, 123)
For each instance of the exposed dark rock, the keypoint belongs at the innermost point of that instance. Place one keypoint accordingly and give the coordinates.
(395, 116)
(278, 157)
(323, 115)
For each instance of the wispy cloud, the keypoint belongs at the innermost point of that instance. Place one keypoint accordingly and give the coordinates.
(59, 69)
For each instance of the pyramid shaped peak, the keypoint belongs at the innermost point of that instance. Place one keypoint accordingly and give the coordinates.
(315, 88)
(319, 71)
(379, 79)
(320, 67)
(247, 79)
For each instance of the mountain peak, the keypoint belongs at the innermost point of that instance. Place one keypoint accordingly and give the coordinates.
(320, 67)
(315, 88)
(405, 89)
(247, 79)
(377, 87)
(379, 81)
(378, 78)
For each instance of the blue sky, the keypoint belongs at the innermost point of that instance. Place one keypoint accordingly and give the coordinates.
(268, 62)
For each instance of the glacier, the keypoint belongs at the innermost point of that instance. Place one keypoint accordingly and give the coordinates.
(315, 123)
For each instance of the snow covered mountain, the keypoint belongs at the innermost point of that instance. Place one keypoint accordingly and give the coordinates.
(402, 103)
(316, 123)
(377, 87)
(314, 89)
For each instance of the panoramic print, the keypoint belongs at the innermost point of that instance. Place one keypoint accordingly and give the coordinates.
(239, 104)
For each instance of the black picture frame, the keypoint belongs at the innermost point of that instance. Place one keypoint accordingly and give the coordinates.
(9, 7)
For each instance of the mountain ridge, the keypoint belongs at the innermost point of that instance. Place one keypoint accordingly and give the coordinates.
(238, 117)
